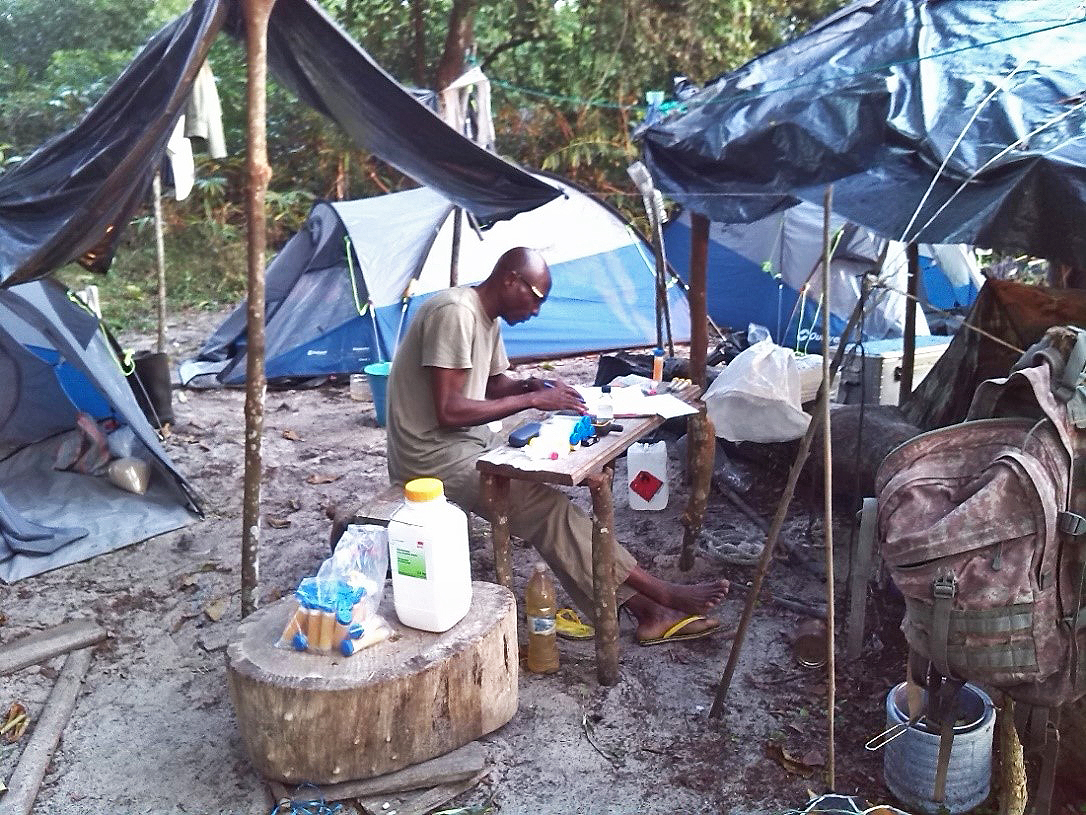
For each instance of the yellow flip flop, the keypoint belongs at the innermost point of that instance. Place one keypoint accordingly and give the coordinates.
(678, 631)
(569, 626)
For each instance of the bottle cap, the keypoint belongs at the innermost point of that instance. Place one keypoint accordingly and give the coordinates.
(659, 352)
(423, 489)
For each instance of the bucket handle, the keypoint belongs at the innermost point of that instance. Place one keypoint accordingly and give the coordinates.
(887, 736)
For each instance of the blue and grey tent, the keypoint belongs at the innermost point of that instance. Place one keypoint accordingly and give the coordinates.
(56, 362)
(757, 271)
(343, 289)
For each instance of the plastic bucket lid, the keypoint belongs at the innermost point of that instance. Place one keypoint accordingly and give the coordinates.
(377, 374)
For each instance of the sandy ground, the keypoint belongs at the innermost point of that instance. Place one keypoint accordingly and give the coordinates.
(154, 731)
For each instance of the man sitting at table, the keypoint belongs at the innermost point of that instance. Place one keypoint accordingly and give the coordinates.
(449, 380)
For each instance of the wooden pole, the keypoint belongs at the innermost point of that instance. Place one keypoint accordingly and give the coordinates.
(160, 257)
(29, 772)
(701, 436)
(43, 645)
(603, 576)
(699, 328)
(908, 354)
(454, 265)
(257, 13)
(827, 467)
(496, 492)
(778, 518)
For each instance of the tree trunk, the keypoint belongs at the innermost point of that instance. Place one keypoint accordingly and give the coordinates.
(458, 40)
(257, 13)
(418, 30)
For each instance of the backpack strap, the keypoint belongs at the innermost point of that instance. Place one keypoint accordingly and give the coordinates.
(944, 589)
(1050, 751)
(943, 700)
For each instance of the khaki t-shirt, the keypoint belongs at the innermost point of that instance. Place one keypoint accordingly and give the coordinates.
(451, 330)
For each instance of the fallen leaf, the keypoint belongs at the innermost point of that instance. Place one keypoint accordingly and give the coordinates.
(277, 523)
(216, 609)
(14, 722)
(778, 753)
(814, 757)
(294, 504)
(322, 478)
(290, 435)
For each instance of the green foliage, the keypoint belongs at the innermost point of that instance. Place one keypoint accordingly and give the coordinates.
(583, 67)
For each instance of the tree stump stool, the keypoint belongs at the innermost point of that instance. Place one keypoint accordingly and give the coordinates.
(326, 719)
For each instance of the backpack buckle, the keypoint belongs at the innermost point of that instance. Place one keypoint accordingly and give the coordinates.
(1070, 523)
(944, 587)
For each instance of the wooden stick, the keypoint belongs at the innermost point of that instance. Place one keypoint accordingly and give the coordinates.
(496, 488)
(462, 763)
(43, 645)
(827, 468)
(603, 577)
(1012, 768)
(160, 262)
(703, 438)
(778, 519)
(257, 13)
(737, 501)
(25, 781)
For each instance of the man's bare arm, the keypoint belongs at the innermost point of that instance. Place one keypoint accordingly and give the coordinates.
(505, 396)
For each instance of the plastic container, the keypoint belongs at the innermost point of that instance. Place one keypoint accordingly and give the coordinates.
(910, 761)
(539, 608)
(360, 389)
(605, 407)
(428, 551)
(377, 374)
(646, 476)
(658, 365)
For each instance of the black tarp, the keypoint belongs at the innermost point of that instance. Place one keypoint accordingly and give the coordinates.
(70, 200)
(875, 99)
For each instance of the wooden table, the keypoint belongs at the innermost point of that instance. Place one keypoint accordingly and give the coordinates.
(586, 466)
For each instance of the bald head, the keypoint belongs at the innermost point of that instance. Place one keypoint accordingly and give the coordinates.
(528, 263)
(518, 285)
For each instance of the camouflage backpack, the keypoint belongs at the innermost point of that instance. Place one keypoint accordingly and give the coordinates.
(981, 525)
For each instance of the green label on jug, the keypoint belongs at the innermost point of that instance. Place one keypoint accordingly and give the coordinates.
(411, 564)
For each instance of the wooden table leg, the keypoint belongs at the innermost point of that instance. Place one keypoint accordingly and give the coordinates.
(603, 576)
(496, 490)
(701, 438)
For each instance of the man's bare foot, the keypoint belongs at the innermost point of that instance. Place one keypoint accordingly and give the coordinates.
(697, 598)
(655, 620)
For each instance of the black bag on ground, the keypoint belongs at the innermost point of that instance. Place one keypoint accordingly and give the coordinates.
(150, 382)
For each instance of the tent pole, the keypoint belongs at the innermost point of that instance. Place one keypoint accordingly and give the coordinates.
(454, 267)
(827, 487)
(257, 13)
(908, 356)
(160, 257)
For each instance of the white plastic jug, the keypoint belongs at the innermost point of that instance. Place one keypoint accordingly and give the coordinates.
(428, 553)
(646, 475)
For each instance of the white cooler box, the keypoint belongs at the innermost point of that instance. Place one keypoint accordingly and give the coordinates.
(875, 376)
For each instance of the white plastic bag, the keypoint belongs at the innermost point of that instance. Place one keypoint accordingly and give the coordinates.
(337, 609)
(757, 397)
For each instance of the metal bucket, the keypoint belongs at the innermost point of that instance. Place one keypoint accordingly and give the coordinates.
(911, 759)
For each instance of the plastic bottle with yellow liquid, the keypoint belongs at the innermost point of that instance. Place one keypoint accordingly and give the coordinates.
(539, 607)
